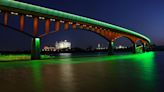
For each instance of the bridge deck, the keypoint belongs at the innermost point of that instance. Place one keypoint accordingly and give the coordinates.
(51, 13)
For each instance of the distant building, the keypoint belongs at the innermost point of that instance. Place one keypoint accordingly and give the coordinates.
(121, 47)
(46, 48)
(58, 46)
(100, 47)
(63, 45)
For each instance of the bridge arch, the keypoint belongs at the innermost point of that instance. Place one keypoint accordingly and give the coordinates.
(128, 45)
(76, 29)
(123, 36)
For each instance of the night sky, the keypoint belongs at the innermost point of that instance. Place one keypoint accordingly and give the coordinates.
(143, 16)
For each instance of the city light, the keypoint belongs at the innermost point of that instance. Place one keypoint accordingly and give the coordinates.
(47, 48)
(58, 46)
(101, 47)
(121, 47)
(63, 45)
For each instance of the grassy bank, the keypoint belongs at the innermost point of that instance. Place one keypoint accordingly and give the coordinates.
(18, 57)
(14, 57)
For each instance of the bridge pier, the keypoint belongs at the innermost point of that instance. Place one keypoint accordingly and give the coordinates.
(143, 48)
(35, 49)
(21, 21)
(134, 48)
(110, 48)
(6, 18)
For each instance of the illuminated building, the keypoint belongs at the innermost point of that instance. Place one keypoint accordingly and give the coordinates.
(100, 47)
(121, 47)
(46, 48)
(63, 45)
(58, 46)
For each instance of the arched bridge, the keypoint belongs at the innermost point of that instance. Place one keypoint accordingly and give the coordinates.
(106, 30)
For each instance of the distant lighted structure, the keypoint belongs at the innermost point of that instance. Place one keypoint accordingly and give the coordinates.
(63, 45)
(58, 46)
(121, 47)
(100, 47)
(47, 48)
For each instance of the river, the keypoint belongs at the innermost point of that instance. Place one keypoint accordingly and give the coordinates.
(118, 73)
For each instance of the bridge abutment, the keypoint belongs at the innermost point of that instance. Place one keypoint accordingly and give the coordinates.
(35, 49)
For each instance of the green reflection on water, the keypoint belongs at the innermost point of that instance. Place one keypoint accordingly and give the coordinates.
(147, 65)
(131, 57)
(147, 71)
(37, 76)
(144, 62)
(146, 57)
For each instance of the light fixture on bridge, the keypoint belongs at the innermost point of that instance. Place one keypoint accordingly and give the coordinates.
(41, 18)
(77, 24)
(70, 23)
(14, 13)
(84, 25)
(52, 19)
(28, 15)
(61, 21)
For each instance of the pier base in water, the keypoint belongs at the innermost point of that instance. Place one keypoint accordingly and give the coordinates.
(35, 49)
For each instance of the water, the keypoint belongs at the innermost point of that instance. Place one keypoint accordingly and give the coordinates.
(128, 73)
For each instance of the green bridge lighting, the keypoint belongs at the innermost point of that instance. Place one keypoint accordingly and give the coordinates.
(51, 13)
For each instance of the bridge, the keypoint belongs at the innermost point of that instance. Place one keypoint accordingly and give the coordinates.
(107, 31)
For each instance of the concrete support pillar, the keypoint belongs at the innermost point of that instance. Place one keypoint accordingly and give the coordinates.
(87, 28)
(98, 31)
(74, 26)
(66, 25)
(81, 26)
(47, 26)
(35, 26)
(21, 21)
(102, 32)
(57, 25)
(148, 47)
(92, 29)
(111, 48)
(5, 18)
(134, 48)
(35, 49)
